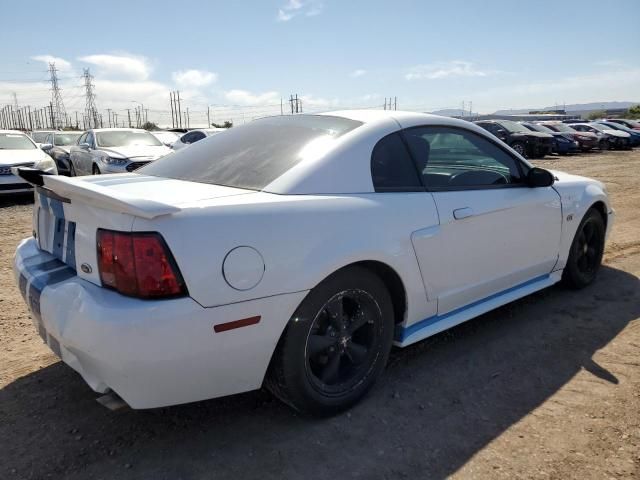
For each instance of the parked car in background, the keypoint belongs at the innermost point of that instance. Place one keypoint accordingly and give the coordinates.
(521, 139)
(634, 124)
(39, 136)
(196, 135)
(19, 150)
(114, 150)
(607, 137)
(166, 137)
(634, 135)
(586, 140)
(563, 143)
(58, 146)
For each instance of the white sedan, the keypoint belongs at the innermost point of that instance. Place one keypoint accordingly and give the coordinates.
(294, 251)
(193, 136)
(19, 150)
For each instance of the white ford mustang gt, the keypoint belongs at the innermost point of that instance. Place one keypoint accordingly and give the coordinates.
(294, 251)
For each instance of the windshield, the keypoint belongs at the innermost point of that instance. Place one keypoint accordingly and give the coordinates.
(39, 137)
(597, 126)
(542, 128)
(64, 139)
(253, 155)
(513, 126)
(126, 138)
(561, 127)
(15, 141)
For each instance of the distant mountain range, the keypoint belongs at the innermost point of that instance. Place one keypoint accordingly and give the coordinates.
(575, 107)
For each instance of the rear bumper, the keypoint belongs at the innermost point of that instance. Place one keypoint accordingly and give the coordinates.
(151, 353)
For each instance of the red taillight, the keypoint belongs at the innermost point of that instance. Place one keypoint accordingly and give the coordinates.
(138, 265)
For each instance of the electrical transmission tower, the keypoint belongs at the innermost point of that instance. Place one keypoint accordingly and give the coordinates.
(90, 106)
(59, 115)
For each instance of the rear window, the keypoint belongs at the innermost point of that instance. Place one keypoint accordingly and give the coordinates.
(254, 155)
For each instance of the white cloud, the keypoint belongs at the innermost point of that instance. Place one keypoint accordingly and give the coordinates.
(293, 8)
(123, 65)
(244, 97)
(439, 70)
(194, 78)
(61, 63)
(357, 73)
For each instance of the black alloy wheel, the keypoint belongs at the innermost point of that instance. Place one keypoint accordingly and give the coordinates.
(585, 255)
(335, 345)
(341, 341)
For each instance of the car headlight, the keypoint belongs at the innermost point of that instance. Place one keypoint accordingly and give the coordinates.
(47, 165)
(115, 161)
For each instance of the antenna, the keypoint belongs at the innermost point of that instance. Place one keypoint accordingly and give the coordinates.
(59, 114)
(90, 105)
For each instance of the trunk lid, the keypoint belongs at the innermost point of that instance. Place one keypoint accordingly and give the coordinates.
(69, 211)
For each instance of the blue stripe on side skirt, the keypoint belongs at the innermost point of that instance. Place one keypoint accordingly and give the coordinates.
(403, 333)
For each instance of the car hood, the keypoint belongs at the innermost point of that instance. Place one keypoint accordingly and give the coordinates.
(587, 134)
(17, 157)
(537, 134)
(137, 151)
(617, 133)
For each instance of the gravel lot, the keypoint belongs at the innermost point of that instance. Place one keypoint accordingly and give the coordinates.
(546, 387)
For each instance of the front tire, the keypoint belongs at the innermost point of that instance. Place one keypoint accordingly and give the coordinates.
(95, 170)
(585, 255)
(336, 344)
(72, 169)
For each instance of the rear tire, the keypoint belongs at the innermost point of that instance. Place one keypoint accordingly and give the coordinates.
(585, 254)
(520, 148)
(604, 145)
(72, 170)
(336, 344)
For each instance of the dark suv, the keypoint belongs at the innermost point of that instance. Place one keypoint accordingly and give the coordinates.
(522, 140)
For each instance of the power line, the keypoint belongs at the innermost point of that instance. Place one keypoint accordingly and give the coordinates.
(59, 113)
(91, 111)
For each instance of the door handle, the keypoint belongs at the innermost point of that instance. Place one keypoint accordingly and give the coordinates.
(461, 213)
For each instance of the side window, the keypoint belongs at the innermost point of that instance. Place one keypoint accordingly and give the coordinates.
(89, 140)
(196, 136)
(49, 139)
(392, 169)
(83, 138)
(189, 138)
(453, 158)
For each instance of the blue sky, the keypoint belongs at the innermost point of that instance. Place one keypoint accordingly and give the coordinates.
(240, 58)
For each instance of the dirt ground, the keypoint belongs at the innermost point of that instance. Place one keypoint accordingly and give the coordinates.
(546, 387)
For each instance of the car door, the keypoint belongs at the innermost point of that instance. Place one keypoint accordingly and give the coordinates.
(75, 154)
(495, 232)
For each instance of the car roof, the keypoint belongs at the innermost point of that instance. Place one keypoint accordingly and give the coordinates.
(98, 130)
(345, 165)
(13, 131)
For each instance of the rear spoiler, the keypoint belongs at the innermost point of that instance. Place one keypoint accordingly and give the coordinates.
(95, 195)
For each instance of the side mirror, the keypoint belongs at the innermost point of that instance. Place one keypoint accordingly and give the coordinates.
(46, 146)
(539, 177)
(84, 146)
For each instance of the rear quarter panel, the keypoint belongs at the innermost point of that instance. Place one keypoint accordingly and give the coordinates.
(302, 239)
